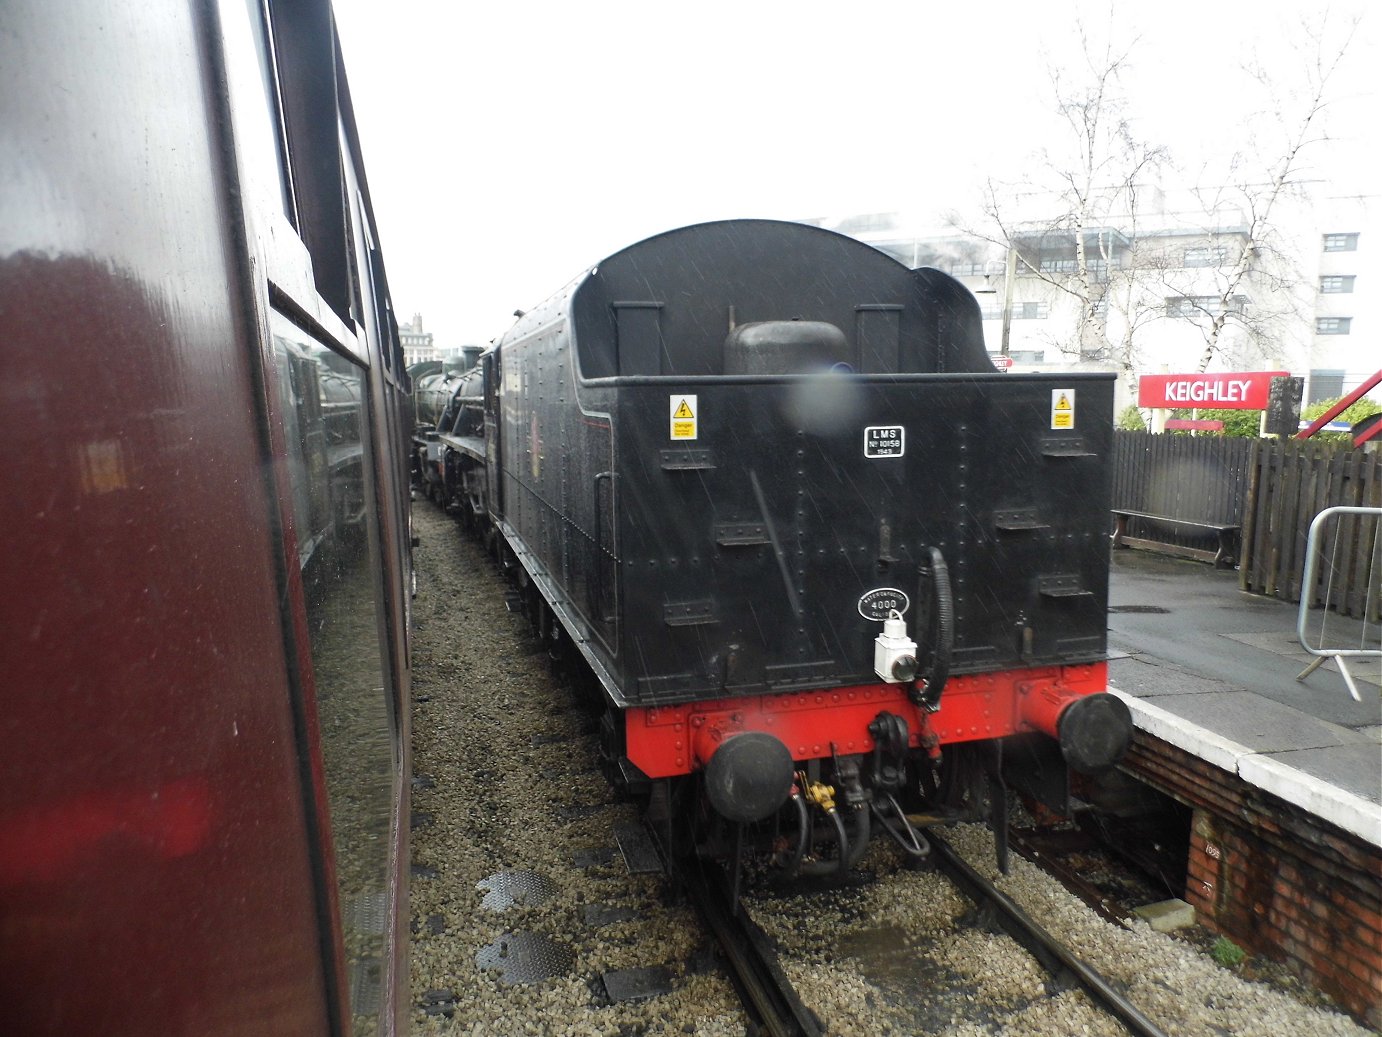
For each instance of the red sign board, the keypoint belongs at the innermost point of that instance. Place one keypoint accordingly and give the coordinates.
(1186, 425)
(1245, 390)
(1001, 362)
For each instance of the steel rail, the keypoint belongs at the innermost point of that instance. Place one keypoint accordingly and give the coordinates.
(1053, 955)
(763, 986)
(1101, 905)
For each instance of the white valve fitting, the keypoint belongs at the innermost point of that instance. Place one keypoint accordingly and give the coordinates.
(894, 653)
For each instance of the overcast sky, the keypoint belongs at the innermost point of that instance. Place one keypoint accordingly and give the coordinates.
(511, 144)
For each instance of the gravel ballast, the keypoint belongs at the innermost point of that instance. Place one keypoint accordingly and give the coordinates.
(515, 867)
(504, 766)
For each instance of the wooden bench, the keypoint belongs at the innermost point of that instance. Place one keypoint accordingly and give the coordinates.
(1223, 558)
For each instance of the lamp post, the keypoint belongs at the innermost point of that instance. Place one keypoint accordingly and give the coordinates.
(1009, 275)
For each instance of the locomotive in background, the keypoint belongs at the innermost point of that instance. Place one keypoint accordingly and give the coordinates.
(441, 390)
(829, 567)
(205, 619)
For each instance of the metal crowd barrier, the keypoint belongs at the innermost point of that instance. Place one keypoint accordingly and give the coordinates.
(1373, 584)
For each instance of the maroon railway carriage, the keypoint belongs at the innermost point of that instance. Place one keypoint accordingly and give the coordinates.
(205, 527)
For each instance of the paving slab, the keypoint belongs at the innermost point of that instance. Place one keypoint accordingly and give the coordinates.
(1289, 647)
(1142, 675)
(1354, 768)
(1205, 625)
(1259, 724)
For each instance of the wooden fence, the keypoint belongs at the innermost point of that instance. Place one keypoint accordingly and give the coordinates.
(1290, 483)
(1194, 478)
(1273, 489)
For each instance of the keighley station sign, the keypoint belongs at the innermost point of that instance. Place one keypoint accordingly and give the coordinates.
(1241, 390)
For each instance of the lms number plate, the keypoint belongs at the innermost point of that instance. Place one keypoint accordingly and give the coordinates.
(884, 441)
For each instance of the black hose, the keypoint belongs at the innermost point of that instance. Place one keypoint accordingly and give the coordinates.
(846, 857)
(841, 866)
(793, 864)
(844, 842)
(859, 841)
(940, 631)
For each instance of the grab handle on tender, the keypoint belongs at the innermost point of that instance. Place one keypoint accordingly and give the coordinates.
(603, 592)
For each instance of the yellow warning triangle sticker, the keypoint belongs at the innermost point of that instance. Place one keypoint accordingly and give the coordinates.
(683, 411)
(1063, 403)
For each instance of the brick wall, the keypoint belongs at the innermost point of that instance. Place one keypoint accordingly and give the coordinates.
(1276, 880)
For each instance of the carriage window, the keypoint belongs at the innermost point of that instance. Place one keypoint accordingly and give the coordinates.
(263, 47)
(303, 44)
(321, 397)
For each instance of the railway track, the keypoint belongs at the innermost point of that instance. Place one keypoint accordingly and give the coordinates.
(1053, 955)
(769, 997)
(776, 1009)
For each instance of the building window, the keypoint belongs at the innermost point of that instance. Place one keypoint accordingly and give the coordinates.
(1325, 384)
(968, 269)
(1096, 267)
(1336, 285)
(1206, 305)
(1020, 311)
(1216, 255)
(1341, 242)
(1332, 325)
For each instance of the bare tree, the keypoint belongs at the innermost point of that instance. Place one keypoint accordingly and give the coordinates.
(1092, 177)
(1255, 286)
(1128, 290)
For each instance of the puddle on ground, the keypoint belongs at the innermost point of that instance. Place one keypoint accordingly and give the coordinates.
(918, 992)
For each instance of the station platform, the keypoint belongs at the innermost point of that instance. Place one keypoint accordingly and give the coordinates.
(1282, 778)
(1212, 670)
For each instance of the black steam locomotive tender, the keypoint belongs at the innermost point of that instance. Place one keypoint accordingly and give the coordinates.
(826, 562)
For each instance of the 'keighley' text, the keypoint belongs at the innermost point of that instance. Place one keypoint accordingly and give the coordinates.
(1208, 392)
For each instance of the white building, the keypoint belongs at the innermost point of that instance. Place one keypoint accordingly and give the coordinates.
(1152, 290)
(418, 345)
(1346, 345)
